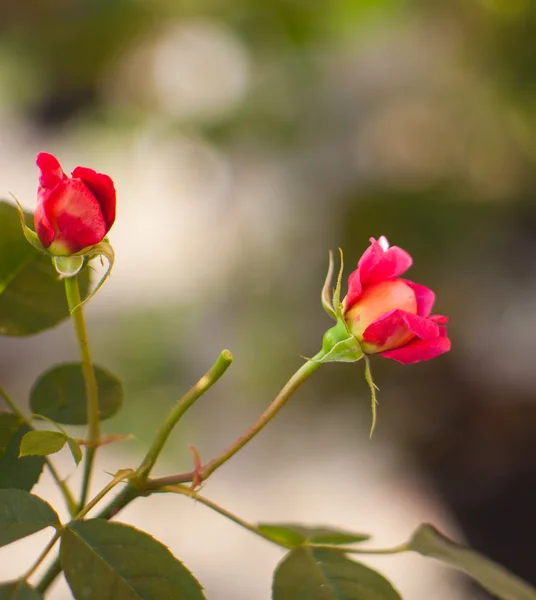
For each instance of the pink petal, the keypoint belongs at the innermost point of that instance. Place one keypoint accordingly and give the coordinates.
(439, 319)
(75, 215)
(419, 350)
(44, 230)
(378, 264)
(102, 187)
(396, 328)
(425, 298)
(51, 171)
(355, 290)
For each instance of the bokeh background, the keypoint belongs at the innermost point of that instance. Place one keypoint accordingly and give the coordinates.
(245, 140)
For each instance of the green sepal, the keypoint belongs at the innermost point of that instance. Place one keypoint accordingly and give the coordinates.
(338, 345)
(68, 266)
(102, 249)
(373, 387)
(29, 234)
(337, 304)
(326, 290)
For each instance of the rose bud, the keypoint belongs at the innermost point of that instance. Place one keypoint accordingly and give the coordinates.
(73, 213)
(391, 316)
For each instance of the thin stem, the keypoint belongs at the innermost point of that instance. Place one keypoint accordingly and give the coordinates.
(305, 371)
(198, 475)
(183, 490)
(64, 488)
(43, 555)
(49, 577)
(121, 476)
(350, 550)
(373, 388)
(208, 380)
(74, 301)
(144, 487)
(180, 489)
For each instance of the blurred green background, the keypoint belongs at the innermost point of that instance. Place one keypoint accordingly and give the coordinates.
(248, 138)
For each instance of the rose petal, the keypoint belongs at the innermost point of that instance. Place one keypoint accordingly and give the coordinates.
(396, 328)
(102, 187)
(43, 228)
(75, 215)
(419, 350)
(51, 171)
(439, 319)
(425, 298)
(355, 290)
(378, 264)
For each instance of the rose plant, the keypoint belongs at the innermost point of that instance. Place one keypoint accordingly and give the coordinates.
(103, 558)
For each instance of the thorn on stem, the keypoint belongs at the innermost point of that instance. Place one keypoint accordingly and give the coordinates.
(197, 479)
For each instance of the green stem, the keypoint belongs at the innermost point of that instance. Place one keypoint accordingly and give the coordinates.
(183, 490)
(49, 577)
(43, 555)
(121, 476)
(64, 488)
(351, 550)
(144, 486)
(124, 498)
(304, 372)
(180, 489)
(373, 388)
(74, 301)
(208, 380)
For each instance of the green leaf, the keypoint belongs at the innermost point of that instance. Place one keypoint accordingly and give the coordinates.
(15, 472)
(9, 425)
(22, 514)
(75, 449)
(32, 298)
(111, 560)
(59, 394)
(41, 443)
(18, 590)
(491, 576)
(309, 573)
(297, 535)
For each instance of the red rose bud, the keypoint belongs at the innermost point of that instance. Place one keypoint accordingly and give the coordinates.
(73, 213)
(391, 316)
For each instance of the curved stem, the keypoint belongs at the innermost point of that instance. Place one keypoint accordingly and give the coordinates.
(43, 555)
(180, 489)
(184, 491)
(141, 486)
(121, 476)
(305, 371)
(198, 475)
(124, 498)
(49, 577)
(378, 551)
(74, 301)
(64, 488)
(373, 388)
(208, 380)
